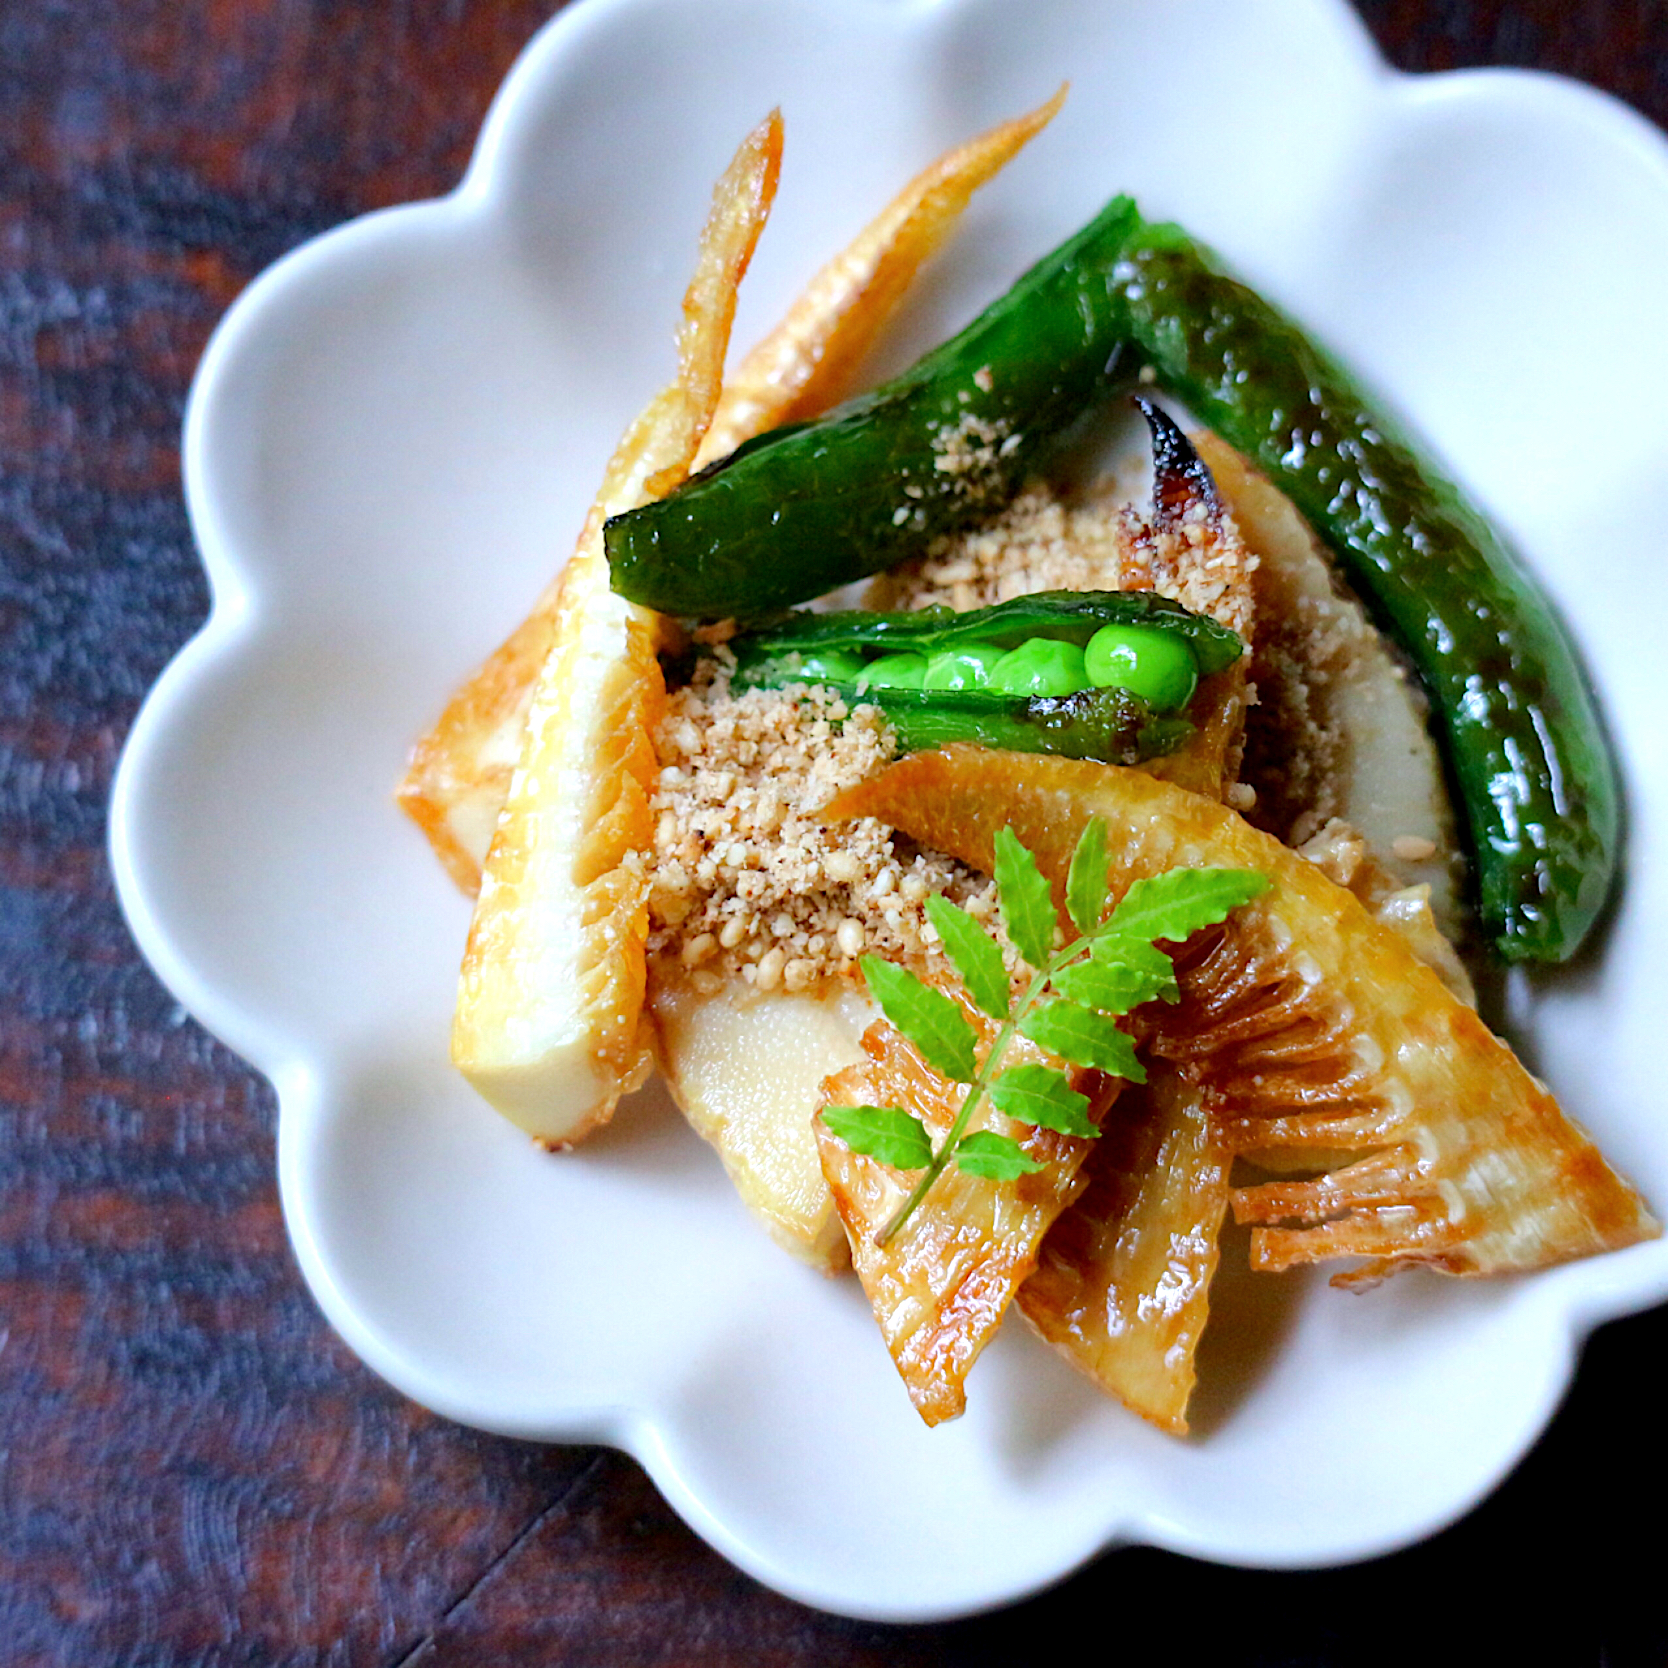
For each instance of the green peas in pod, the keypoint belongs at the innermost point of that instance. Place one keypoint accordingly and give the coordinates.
(1042, 666)
(967, 667)
(831, 666)
(1156, 665)
(894, 671)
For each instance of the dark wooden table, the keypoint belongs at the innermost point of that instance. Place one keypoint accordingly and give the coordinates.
(192, 1468)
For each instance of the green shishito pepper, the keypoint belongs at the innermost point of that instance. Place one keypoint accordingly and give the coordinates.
(800, 511)
(1110, 724)
(803, 509)
(1511, 704)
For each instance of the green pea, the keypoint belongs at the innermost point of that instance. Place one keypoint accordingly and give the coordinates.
(1156, 665)
(894, 671)
(1040, 667)
(831, 666)
(968, 667)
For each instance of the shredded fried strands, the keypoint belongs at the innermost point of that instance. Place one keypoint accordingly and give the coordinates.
(942, 1283)
(1309, 1027)
(460, 770)
(549, 1001)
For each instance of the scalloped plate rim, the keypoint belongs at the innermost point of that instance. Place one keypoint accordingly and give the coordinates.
(1627, 1285)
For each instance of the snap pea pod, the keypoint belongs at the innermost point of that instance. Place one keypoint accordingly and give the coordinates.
(1066, 616)
(1512, 707)
(1111, 725)
(804, 509)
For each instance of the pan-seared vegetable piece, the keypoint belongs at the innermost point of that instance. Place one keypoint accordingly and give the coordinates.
(1122, 1283)
(801, 511)
(1511, 702)
(917, 654)
(746, 1067)
(460, 770)
(1313, 1031)
(1062, 616)
(939, 1287)
(547, 1025)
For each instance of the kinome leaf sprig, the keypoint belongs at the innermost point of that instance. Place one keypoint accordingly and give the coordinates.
(1070, 1007)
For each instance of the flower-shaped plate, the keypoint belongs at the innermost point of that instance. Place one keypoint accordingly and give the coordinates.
(391, 443)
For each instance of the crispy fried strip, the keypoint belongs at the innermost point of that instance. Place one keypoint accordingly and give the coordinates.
(940, 1285)
(550, 997)
(803, 365)
(460, 770)
(1122, 1286)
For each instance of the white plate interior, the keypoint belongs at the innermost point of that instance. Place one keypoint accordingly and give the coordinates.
(392, 440)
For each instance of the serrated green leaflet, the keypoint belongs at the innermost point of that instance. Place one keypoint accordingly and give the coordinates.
(975, 955)
(1084, 1038)
(1113, 950)
(1086, 882)
(1040, 1095)
(928, 1017)
(886, 1133)
(1179, 902)
(1112, 987)
(1027, 904)
(1114, 967)
(994, 1157)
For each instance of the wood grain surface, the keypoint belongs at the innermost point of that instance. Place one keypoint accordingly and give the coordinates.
(192, 1469)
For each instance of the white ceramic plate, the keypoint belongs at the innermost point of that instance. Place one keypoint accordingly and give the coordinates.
(391, 442)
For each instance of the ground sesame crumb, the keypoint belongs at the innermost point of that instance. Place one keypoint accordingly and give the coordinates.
(747, 880)
(1413, 848)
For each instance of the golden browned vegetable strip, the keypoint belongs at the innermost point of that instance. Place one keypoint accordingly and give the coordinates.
(1122, 1286)
(941, 1284)
(1306, 1023)
(460, 770)
(550, 997)
(802, 367)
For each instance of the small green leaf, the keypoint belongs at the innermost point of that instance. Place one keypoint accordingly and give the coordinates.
(1112, 987)
(994, 1157)
(1027, 905)
(887, 1133)
(1041, 1096)
(1110, 949)
(1084, 1038)
(1086, 882)
(974, 953)
(928, 1017)
(1179, 902)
